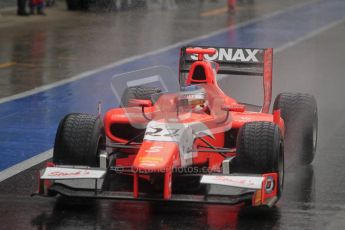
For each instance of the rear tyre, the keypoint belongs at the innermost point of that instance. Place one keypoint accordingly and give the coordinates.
(79, 139)
(299, 112)
(260, 149)
(142, 93)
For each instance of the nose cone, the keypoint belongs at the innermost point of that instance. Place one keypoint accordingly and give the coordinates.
(156, 156)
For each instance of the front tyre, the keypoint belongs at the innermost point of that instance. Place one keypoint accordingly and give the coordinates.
(79, 139)
(260, 150)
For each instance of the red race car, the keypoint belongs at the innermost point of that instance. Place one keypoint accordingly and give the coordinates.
(196, 144)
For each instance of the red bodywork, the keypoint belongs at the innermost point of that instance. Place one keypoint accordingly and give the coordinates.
(163, 157)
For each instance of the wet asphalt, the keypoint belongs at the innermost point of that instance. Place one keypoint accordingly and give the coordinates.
(314, 196)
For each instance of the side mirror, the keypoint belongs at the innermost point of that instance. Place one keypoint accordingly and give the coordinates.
(140, 103)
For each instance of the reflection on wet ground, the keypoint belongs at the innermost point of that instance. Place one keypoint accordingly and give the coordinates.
(298, 209)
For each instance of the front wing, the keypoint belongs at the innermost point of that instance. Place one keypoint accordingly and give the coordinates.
(71, 181)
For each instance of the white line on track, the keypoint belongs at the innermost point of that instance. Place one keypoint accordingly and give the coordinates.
(24, 165)
(13, 170)
(309, 35)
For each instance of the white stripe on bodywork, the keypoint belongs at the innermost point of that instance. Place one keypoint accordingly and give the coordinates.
(182, 134)
(174, 131)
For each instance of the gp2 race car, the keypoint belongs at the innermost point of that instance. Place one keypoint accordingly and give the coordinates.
(193, 145)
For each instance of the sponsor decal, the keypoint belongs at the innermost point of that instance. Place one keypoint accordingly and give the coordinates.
(150, 159)
(162, 132)
(174, 132)
(71, 173)
(250, 182)
(76, 173)
(154, 149)
(269, 184)
(157, 131)
(233, 55)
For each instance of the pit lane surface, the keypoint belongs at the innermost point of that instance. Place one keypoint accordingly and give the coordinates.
(313, 196)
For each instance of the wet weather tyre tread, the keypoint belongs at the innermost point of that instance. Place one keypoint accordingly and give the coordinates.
(299, 112)
(258, 148)
(139, 92)
(78, 139)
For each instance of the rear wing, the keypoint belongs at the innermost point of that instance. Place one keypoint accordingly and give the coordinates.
(235, 61)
